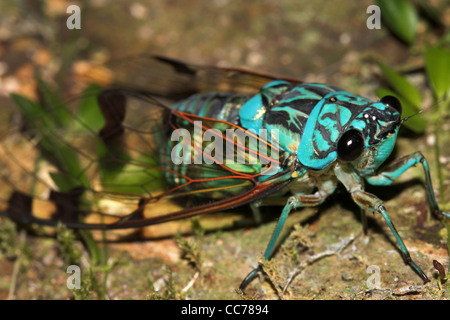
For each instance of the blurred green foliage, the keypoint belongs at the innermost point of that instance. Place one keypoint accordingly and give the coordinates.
(401, 17)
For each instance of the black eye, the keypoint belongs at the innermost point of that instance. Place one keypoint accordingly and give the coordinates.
(350, 145)
(392, 102)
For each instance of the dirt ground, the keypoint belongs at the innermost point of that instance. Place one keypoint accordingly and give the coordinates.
(324, 253)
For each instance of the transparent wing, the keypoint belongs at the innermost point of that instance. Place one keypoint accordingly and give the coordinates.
(170, 78)
(105, 164)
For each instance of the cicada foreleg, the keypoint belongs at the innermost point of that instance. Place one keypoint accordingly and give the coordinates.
(398, 167)
(293, 202)
(368, 201)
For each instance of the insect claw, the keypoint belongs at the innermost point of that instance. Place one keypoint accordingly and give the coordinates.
(443, 213)
(249, 278)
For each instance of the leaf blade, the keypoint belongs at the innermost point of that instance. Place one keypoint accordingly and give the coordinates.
(401, 18)
(437, 66)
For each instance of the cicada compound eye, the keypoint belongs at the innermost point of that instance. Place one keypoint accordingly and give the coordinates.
(393, 102)
(350, 145)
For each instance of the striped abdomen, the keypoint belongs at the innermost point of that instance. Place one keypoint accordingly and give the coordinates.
(219, 106)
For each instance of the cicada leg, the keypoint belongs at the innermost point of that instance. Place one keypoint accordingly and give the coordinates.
(398, 167)
(292, 203)
(256, 213)
(370, 202)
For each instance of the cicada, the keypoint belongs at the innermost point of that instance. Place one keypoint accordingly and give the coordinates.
(194, 140)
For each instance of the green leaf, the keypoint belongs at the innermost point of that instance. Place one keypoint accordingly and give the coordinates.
(416, 123)
(33, 113)
(402, 86)
(430, 13)
(437, 65)
(138, 177)
(52, 148)
(401, 18)
(53, 103)
(67, 160)
(62, 182)
(134, 175)
(93, 247)
(89, 112)
(110, 169)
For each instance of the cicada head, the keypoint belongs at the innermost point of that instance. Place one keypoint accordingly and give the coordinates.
(347, 128)
(371, 137)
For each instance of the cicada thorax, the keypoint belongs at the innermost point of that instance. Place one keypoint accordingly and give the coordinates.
(289, 111)
(314, 119)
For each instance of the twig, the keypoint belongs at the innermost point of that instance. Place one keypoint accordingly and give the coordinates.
(16, 267)
(335, 248)
(191, 283)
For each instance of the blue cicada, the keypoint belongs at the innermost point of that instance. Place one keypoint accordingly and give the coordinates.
(300, 140)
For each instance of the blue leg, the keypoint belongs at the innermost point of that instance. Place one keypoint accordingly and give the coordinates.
(293, 203)
(397, 168)
(368, 201)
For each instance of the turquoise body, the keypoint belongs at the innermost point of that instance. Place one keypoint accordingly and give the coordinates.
(309, 120)
(326, 136)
